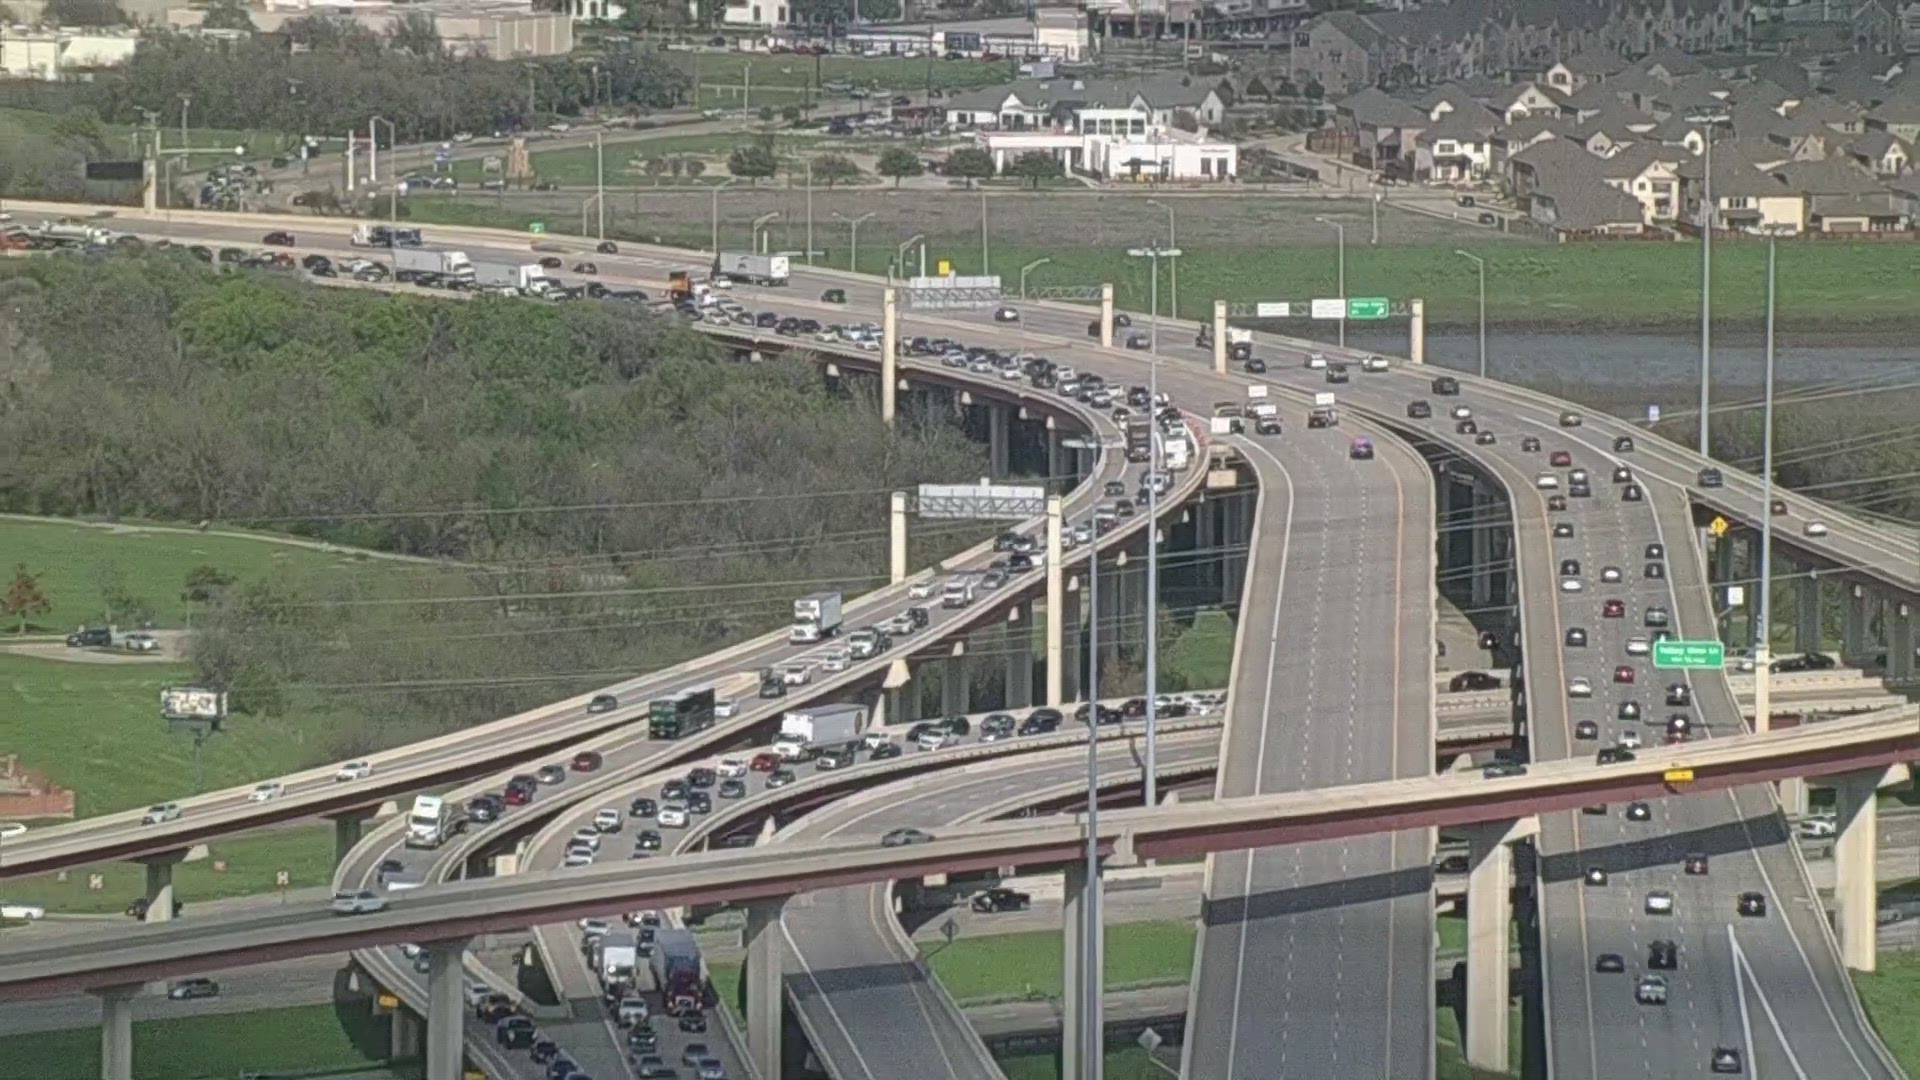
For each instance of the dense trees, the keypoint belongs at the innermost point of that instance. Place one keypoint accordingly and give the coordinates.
(83, 13)
(899, 163)
(1035, 166)
(754, 161)
(831, 169)
(970, 162)
(604, 493)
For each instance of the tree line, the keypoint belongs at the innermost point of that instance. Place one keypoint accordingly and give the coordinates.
(605, 491)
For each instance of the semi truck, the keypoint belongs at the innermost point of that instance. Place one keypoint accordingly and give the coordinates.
(422, 261)
(71, 232)
(431, 822)
(750, 268)
(384, 236)
(804, 732)
(674, 717)
(815, 618)
(1139, 439)
(1239, 340)
(676, 971)
(617, 953)
(529, 279)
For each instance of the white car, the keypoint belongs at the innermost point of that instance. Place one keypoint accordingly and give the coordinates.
(593, 928)
(22, 912)
(921, 590)
(731, 768)
(1629, 738)
(837, 660)
(1638, 646)
(353, 770)
(672, 816)
(1659, 902)
(1461, 412)
(266, 792)
(1374, 363)
(1316, 361)
(725, 710)
(1571, 584)
(1579, 686)
(1546, 481)
(633, 1010)
(363, 902)
(142, 641)
(1816, 528)
(796, 674)
(1610, 575)
(587, 835)
(162, 812)
(1818, 828)
(607, 820)
(933, 740)
(11, 829)
(578, 855)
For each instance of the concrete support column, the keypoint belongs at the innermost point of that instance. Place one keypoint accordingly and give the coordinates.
(1900, 620)
(1482, 583)
(1019, 694)
(116, 1032)
(889, 353)
(1489, 926)
(1807, 614)
(1417, 332)
(1853, 627)
(1856, 885)
(160, 884)
(999, 421)
(1106, 315)
(956, 692)
(765, 1001)
(1058, 470)
(346, 832)
(897, 538)
(403, 1035)
(446, 998)
(1219, 337)
(1056, 605)
(1073, 997)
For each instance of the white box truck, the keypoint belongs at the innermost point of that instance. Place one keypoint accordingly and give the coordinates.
(1323, 413)
(618, 952)
(430, 822)
(815, 618)
(1176, 453)
(805, 732)
(422, 261)
(753, 269)
(529, 279)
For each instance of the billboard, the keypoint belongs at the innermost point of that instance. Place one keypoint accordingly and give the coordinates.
(193, 703)
(982, 501)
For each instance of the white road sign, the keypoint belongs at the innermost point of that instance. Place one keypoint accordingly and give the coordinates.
(1273, 311)
(1335, 308)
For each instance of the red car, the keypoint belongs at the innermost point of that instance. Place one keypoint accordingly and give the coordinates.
(1561, 459)
(586, 761)
(516, 796)
(1614, 609)
(764, 761)
(1623, 674)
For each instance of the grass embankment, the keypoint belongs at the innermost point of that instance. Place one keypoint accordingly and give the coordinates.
(627, 159)
(1130, 1063)
(1202, 656)
(1450, 1061)
(304, 1039)
(1233, 251)
(250, 861)
(1892, 999)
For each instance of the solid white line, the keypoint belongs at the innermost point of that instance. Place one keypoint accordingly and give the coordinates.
(1738, 960)
(1740, 964)
(1260, 759)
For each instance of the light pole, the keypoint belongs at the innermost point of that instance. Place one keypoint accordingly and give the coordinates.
(1153, 255)
(1480, 265)
(758, 223)
(809, 211)
(1341, 232)
(1762, 652)
(1096, 938)
(1706, 273)
(716, 213)
(599, 179)
(1173, 269)
(853, 243)
(373, 145)
(1374, 204)
(185, 103)
(986, 265)
(1027, 269)
(900, 253)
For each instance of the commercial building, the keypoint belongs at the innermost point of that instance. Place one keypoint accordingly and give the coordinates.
(63, 53)
(498, 28)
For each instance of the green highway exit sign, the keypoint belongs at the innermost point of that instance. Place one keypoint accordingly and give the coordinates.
(536, 227)
(1367, 307)
(1689, 654)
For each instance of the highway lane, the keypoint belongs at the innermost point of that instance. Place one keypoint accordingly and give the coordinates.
(871, 1009)
(1314, 959)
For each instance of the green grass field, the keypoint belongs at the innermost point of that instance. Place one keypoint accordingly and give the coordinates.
(307, 1038)
(96, 728)
(1028, 965)
(1450, 1062)
(1892, 999)
(118, 138)
(1131, 1063)
(798, 73)
(251, 861)
(75, 563)
(1202, 655)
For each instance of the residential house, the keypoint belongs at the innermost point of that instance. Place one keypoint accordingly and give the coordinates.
(1648, 173)
(1881, 152)
(1546, 163)
(1745, 197)
(1458, 148)
(1524, 100)
(1898, 115)
(1583, 69)
(1879, 212)
(1584, 206)
(1385, 126)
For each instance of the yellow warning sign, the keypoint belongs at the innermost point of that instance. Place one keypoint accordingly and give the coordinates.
(945, 268)
(387, 1001)
(1677, 776)
(1719, 526)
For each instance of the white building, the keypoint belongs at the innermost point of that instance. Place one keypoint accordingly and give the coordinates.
(502, 29)
(52, 55)
(768, 13)
(1157, 154)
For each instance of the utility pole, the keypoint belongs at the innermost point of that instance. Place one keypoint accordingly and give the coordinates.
(1151, 785)
(600, 183)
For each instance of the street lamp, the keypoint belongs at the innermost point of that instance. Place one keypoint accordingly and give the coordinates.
(1027, 269)
(986, 264)
(373, 145)
(1340, 231)
(900, 253)
(1153, 255)
(1480, 265)
(1762, 660)
(599, 183)
(1173, 269)
(717, 188)
(758, 223)
(853, 243)
(1706, 271)
(185, 103)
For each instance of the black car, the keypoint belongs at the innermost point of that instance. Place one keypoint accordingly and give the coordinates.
(646, 840)
(1611, 963)
(1752, 904)
(603, 703)
(91, 637)
(1497, 769)
(544, 1050)
(1710, 478)
(1679, 694)
(1623, 444)
(1001, 899)
(513, 1036)
(485, 808)
(674, 790)
(699, 802)
(1256, 366)
(1473, 680)
(732, 788)
(1663, 955)
(701, 777)
(694, 1023)
(1446, 385)
(1041, 722)
(1419, 410)
(1726, 1060)
(1530, 444)
(642, 807)
(1631, 493)
(780, 778)
(1576, 637)
(1655, 551)
(1613, 755)
(607, 247)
